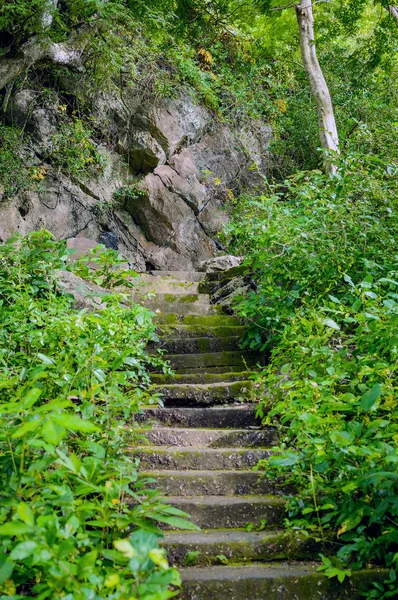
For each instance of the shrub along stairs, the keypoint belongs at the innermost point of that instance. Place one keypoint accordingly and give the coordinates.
(202, 450)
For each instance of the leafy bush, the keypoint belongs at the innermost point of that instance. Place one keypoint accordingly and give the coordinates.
(70, 490)
(323, 253)
(14, 174)
(74, 151)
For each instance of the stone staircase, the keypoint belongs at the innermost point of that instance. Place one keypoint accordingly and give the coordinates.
(202, 450)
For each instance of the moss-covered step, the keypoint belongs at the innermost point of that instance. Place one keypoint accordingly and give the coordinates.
(212, 483)
(200, 377)
(211, 459)
(211, 438)
(234, 417)
(181, 308)
(198, 345)
(230, 511)
(280, 581)
(215, 370)
(176, 275)
(191, 299)
(198, 320)
(162, 285)
(206, 394)
(194, 331)
(239, 546)
(212, 359)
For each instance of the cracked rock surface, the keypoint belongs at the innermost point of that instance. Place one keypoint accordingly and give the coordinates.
(185, 163)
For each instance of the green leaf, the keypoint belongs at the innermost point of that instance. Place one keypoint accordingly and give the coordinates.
(332, 324)
(370, 397)
(191, 557)
(6, 570)
(45, 359)
(14, 528)
(288, 459)
(175, 521)
(25, 513)
(23, 550)
(52, 432)
(341, 438)
(31, 397)
(75, 423)
(27, 427)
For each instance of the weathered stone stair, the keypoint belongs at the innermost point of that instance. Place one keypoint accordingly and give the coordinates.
(202, 449)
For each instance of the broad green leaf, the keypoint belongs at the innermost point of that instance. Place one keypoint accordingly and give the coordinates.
(75, 423)
(31, 397)
(27, 427)
(175, 521)
(287, 459)
(14, 528)
(341, 438)
(45, 359)
(52, 432)
(370, 397)
(332, 324)
(25, 513)
(23, 550)
(6, 570)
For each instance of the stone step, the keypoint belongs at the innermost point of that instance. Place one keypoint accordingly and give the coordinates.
(212, 359)
(238, 546)
(212, 483)
(238, 416)
(176, 275)
(199, 320)
(203, 394)
(211, 438)
(276, 581)
(242, 368)
(197, 458)
(194, 331)
(200, 377)
(230, 511)
(181, 309)
(164, 286)
(191, 300)
(177, 345)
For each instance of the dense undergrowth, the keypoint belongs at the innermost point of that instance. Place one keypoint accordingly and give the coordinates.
(76, 520)
(323, 252)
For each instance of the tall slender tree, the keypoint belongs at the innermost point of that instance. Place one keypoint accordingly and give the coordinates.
(326, 120)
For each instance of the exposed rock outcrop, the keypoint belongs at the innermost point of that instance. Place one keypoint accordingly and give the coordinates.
(221, 263)
(183, 163)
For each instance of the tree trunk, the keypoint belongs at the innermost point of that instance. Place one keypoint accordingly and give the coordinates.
(48, 15)
(319, 89)
(393, 10)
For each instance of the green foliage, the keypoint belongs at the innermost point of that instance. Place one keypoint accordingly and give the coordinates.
(14, 174)
(322, 251)
(74, 152)
(126, 193)
(21, 17)
(70, 489)
(104, 267)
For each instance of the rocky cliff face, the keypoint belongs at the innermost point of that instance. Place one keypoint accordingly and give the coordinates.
(184, 164)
